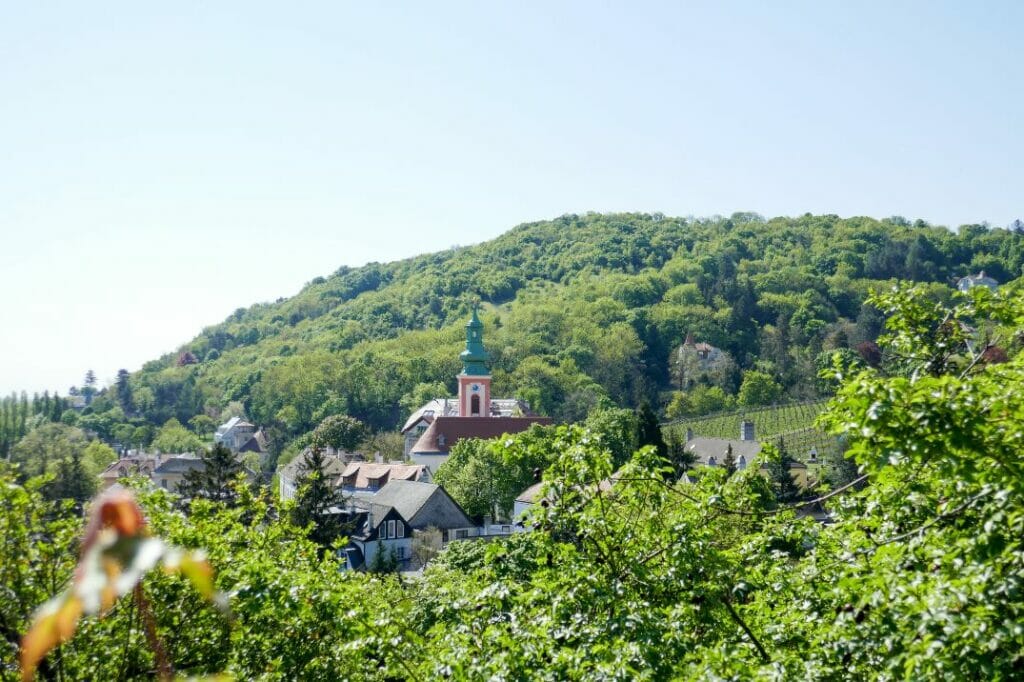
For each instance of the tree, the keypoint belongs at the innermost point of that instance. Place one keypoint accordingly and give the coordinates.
(678, 457)
(95, 458)
(142, 435)
(648, 432)
(701, 400)
(202, 425)
(729, 463)
(486, 476)
(89, 386)
(123, 390)
(617, 429)
(314, 500)
(216, 478)
(758, 388)
(778, 462)
(384, 560)
(173, 437)
(72, 481)
(340, 432)
(426, 544)
(390, 445)
(41, 450)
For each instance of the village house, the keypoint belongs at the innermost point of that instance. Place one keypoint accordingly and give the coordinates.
(388, 520)
(238, 435)
(697, 361)
(373, 476)
(431, 431)
(140, 464)
(171, 471)
(980, 280)
(713, 452)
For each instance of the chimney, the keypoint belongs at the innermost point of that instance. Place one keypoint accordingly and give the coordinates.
(747, 430)
(689, 435)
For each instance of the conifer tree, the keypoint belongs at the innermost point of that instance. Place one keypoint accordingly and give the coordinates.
(729, 463)
(72, 481)
(648, 431)
(89, 386)
(314, 500)
(123, 391)
(680, 459)
(786, 489)
(215, 479)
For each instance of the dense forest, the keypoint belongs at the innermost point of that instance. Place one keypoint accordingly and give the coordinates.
(580, 311)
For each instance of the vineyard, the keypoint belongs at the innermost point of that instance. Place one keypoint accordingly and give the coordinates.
(791, 424)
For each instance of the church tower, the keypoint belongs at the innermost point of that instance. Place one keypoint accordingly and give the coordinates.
(475, 379)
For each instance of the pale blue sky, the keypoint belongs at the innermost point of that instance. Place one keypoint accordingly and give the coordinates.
(160, 167)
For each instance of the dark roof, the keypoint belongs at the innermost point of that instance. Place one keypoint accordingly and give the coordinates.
(703, 449)
(180, 464)
(421, 505)
(445, 432)
(333, 466)
(257, 443)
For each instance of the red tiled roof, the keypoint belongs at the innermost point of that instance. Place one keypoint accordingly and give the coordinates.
(361, 474)
(126, 466)
(445, 432)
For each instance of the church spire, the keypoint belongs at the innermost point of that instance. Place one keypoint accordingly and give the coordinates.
(474, 358)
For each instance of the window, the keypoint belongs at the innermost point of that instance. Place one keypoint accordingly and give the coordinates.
(461, 534)
(400, 528)
(391, 529)
(401, 553)
(474, 405)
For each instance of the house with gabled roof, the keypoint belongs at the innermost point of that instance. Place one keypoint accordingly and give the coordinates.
(387, 520)
(713, 452)
(379, 529)
(239, 436)
(980, 280)
(131, 465)
(373, 476)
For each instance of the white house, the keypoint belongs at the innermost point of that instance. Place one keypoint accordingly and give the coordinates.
(234, 433)
(979, 280)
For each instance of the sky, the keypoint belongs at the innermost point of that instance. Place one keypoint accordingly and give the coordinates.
(163, 166)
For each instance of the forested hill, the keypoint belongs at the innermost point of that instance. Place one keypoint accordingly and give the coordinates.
(577, 310)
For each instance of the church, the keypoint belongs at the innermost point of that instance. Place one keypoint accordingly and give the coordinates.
(431, 431)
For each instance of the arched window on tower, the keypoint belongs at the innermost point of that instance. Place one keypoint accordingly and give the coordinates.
(474, 406)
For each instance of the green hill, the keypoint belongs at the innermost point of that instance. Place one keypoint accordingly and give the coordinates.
(579, 310)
